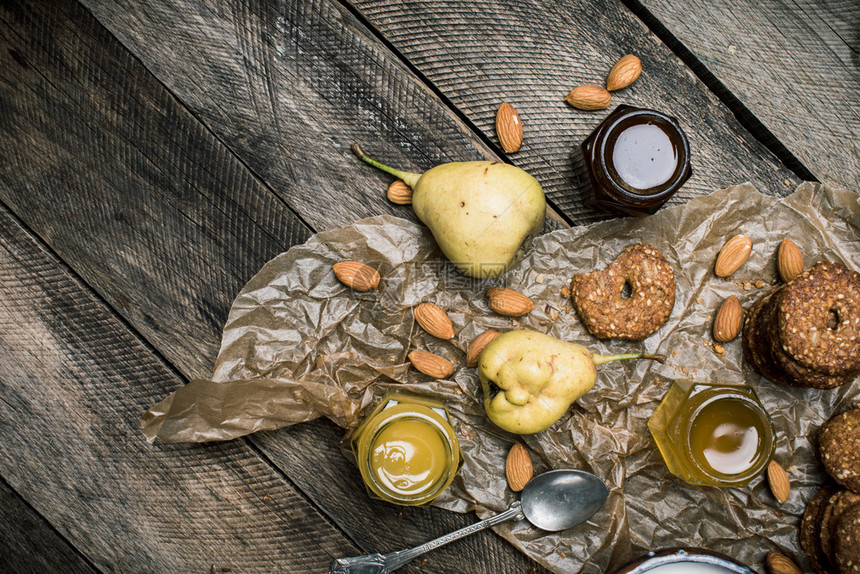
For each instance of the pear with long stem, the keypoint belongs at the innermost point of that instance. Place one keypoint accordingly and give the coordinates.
(481, 213)
(530, 379)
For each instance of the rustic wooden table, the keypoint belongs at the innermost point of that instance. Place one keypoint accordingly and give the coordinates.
(155, 154)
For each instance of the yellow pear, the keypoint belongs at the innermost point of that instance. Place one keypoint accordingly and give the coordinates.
(481, 213)
(530, 379)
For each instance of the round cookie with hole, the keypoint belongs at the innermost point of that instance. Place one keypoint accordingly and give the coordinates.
(630, 299)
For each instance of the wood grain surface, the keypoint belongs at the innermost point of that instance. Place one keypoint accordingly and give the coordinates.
(125, 185)
(73, 380)
(795, 64)
(117, 177)
(532, 53)
(288, 87)
(29, 544)
(156, 154)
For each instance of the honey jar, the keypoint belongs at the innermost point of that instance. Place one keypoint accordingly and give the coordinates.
(407, 450)
(636, 160)
(715, 435)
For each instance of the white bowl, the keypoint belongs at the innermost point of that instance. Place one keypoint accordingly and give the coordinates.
(683, 561)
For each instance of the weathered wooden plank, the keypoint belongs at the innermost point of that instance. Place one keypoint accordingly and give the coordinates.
(532, 53)
(155, 214)
(73, 380)
(115, 175)
(31, 546)
(793, 64)
(288, 86)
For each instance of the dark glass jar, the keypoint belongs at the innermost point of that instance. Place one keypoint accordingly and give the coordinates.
(636, 159)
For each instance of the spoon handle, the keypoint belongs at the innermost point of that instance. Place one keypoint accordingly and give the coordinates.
(382, 564)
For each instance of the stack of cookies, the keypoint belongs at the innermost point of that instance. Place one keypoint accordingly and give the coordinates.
(806, 333)
(830, 529)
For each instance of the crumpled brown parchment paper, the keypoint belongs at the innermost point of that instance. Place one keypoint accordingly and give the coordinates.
(299, 345)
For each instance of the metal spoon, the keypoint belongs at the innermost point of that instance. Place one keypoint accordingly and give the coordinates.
(552, 501)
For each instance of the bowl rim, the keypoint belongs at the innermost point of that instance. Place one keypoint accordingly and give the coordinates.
(656, 558)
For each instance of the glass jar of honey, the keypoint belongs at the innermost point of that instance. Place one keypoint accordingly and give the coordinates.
(715, 435)
(636, 160)
(407, 450)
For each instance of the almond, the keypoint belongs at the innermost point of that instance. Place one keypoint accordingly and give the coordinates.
(508, 302)
(789, 260)
(729, 319)
(358, 276)
(431, 364)
(509, 128)
(624, 72)
(589, 97)
(518, 467)
(434, 320)
(477, 346)
(780, 564)
(733, 255)
(399, 193)
(777, 478)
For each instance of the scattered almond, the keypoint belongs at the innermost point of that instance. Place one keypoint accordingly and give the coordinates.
(509, 128)
(777, 478)
(729, 319)
(624, 72)
(518, 467)
(733, 255)
(789, 260)
(509, 302)
(431, 364)
(399, 193)
(434, 320)
(356, 275)
(589, 97)
(473, 355)
(780, 564)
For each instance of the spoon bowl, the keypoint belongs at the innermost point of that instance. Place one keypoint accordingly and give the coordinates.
(552, 501)
(560, 499)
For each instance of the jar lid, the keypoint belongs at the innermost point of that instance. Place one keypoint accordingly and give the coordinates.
(620, 122)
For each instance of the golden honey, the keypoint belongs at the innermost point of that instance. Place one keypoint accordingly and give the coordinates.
(407, 450)
(726, 436)
(717, 435)
(407, 456)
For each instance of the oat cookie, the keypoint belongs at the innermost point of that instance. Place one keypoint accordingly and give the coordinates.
(754, 343)
(795, 373)
(600, 302)
(819, 319)
(847, 541)
(843, 502)
(826, 521)
(839, 446)
(763, 350)
(810, 529)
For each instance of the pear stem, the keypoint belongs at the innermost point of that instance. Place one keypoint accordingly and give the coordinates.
(600, 359)
(408, 178)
